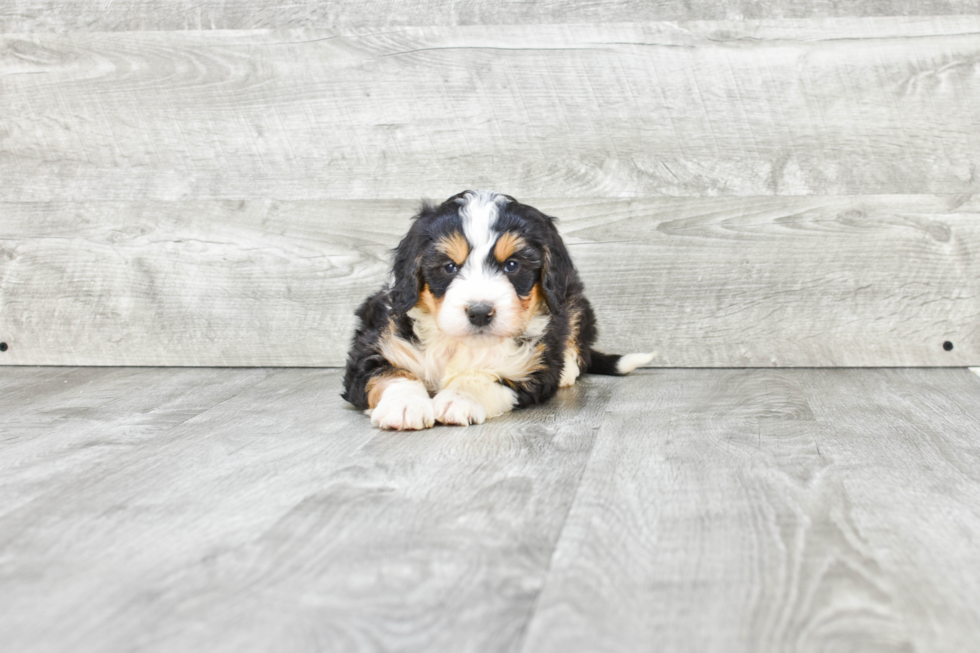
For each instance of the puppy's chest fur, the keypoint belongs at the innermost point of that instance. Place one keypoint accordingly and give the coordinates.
(437, 359)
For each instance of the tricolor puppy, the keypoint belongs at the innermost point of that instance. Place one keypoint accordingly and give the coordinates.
(484, 312)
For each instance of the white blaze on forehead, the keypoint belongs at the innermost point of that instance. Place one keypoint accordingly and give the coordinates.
(479, 212)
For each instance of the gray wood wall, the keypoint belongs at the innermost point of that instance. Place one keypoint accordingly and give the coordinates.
(746, 184)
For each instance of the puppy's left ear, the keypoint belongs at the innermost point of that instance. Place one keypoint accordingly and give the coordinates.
(558, 276)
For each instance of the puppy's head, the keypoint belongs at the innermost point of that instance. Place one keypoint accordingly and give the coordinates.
(482, 264)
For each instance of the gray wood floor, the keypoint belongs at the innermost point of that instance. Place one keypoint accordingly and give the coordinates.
(674, 510)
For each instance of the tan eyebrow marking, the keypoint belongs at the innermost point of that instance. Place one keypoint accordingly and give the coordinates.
(455, 247)
(506, 245)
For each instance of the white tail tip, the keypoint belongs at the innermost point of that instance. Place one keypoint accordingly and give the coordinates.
(630, 362)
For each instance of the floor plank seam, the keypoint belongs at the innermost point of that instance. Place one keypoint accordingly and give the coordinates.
(269, 372)
(522, 637)
(222, 402)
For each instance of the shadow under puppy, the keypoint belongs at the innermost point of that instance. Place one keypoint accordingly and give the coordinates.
(484, 312)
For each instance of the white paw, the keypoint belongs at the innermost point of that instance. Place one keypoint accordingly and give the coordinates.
(570, 371)
(455, 408)
(399, 411)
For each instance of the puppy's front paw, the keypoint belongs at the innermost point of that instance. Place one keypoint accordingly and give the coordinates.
(456, 408)
(403, 412)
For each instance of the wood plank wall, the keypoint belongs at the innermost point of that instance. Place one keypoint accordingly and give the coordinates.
(748, 184)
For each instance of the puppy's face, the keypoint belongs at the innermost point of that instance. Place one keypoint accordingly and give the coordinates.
(481, 274)
(481, 265)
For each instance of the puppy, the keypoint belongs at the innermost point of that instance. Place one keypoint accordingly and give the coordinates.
(484, 312)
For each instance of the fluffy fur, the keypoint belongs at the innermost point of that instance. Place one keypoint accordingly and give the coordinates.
(484, 313)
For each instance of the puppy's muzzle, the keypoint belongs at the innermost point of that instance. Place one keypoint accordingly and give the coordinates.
(479, 315)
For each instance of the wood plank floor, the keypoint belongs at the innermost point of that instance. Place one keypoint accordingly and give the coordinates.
(155, 509)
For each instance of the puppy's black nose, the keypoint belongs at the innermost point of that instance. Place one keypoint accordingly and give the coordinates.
(480, 314)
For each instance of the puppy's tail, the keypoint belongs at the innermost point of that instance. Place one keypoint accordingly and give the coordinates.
(616, 365)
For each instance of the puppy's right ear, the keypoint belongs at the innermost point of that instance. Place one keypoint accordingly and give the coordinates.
(407, 271)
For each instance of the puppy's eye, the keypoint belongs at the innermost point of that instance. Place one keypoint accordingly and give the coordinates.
(451, 268)
(511, 266)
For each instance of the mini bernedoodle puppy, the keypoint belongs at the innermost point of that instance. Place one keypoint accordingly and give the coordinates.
(484, 312)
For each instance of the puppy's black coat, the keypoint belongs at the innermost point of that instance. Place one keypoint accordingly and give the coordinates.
(476, 243)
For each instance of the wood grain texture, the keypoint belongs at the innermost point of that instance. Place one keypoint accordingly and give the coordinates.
(279, 519)
(774, 511)
(138, 15)
(672, 510)
(789, 107)
(711, 282)
(60, 424)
